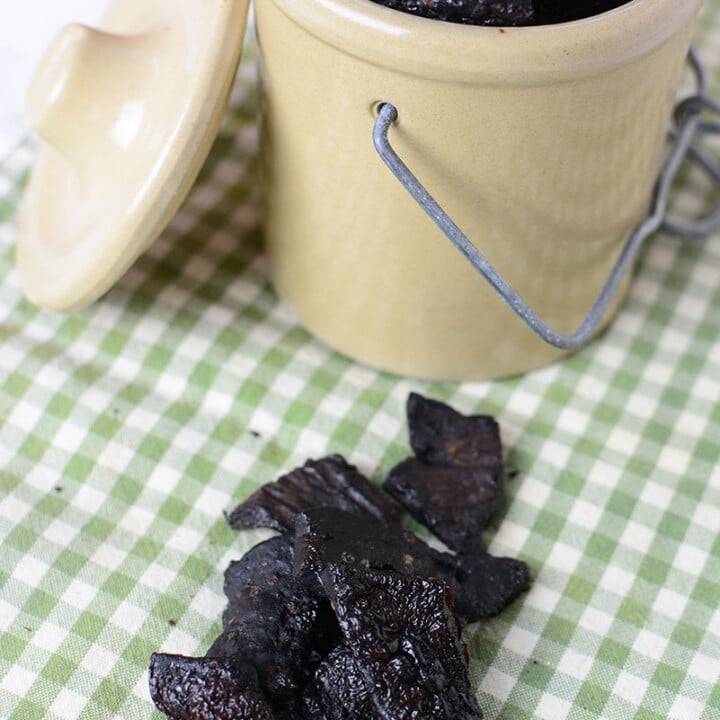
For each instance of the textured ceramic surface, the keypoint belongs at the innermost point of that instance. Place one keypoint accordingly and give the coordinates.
(128, 115)
(542, 143)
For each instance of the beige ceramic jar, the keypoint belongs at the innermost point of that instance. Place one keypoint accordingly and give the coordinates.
(542, 143)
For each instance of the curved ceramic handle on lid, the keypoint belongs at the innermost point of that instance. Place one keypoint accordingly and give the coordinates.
(128, 113)
(89, 96)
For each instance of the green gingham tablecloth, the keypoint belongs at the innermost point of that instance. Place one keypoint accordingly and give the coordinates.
(127, 428)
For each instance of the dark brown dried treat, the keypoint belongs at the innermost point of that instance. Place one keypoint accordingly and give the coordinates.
(274, 622)
(555, 11)
(481, 584)
(503, 12)
(488, 584)
(340, 691)
(328, 481)
(470, 12)
(206, 689)
(328, 535)
(440, 435)
(455, 503)
(405, 642)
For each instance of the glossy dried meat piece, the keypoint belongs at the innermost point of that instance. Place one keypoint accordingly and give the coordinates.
(555, 11)
(455, 503)
(405, 642)
(481, 585)
(187, 688)
(503, 12)
(474, 12)
(328, 535)
(328, 481)
(440, 435)
(488, 584)
(340, 691)
(274, 622)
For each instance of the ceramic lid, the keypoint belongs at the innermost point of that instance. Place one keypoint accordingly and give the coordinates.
(127, 115)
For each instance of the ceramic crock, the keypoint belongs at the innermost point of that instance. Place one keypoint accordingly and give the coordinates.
(542, 143)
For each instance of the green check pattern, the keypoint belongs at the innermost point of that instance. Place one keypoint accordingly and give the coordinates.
(127, 428)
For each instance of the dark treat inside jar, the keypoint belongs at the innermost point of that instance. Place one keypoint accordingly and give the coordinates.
(503, 13)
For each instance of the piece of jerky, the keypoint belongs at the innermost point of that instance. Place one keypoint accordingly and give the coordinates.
(555, 11)
(481, 584)
(328, 535)
(186, 688)
(328, 481)
(340, 691)
(455, 503)
(440, 435)
(274, 622)
(488, 584)
(473, 12)
(405, 642)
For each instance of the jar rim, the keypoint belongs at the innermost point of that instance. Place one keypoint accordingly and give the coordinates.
(493, 55)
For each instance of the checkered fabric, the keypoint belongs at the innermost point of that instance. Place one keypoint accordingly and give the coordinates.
(127, 428)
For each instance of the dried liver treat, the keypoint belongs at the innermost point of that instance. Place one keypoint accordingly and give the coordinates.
(488, 584)
(206, 689)
(328, 535)
(273, 622)
(482, 585)
(440, 435)
(453, 485)
(469, 12)
(340, 691)
(328, 481)
(456, 504)
(346, 614)
(556, 11)
(405, 642)
(503, 12)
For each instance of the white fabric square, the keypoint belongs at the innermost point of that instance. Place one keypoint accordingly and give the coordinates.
(157, 577)
(49, 636)
(690, 559)
(520, 641)
(674, 460)
(211, 502)
(115, 457)
(575, 664)
(552, 708)
(584, 515)
(68, 704)
(573, 421)
(564, 558)
(604, 474)
(650, 645)
(24, 416)
(656, 495)
(8, 613)
(685, 708)
(129, 617)
(630, 687)
(670, 603)
(617, 580)
(18, 680)
(99, 661)
(623, 441)
(30, 571)
(637, 537)
(79, 594)
(89, 499)
(497, 684)
(596, 621)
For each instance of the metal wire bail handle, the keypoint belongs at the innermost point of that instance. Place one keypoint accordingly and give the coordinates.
(686, 129)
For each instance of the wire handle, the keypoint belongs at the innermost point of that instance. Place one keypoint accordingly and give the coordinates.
(687, 128)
